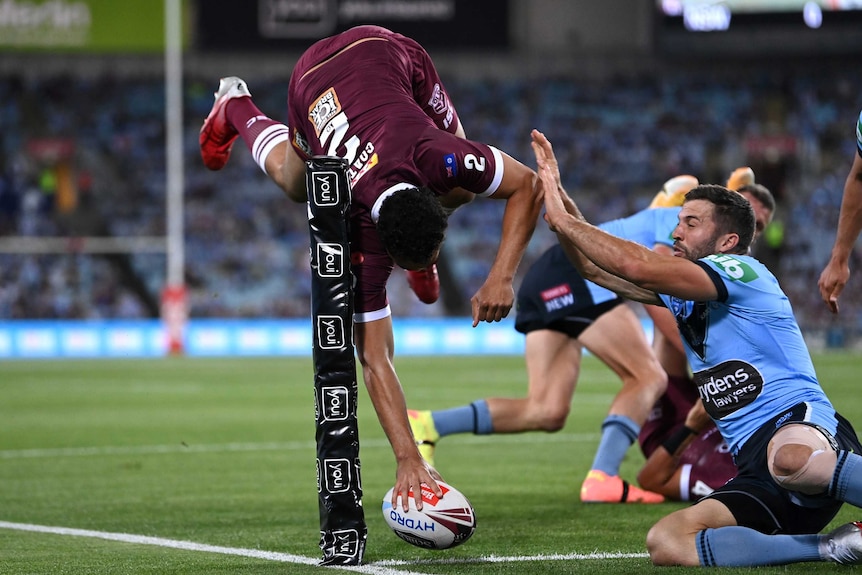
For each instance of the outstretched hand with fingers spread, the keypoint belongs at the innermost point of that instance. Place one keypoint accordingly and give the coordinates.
(549, 177)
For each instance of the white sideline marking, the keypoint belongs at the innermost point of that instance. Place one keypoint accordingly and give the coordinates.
(376, 568)
(192, 546)
(513, 558)
(273, 446)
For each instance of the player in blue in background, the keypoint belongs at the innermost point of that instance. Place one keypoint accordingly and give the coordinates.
(798, 459)
(560, 313)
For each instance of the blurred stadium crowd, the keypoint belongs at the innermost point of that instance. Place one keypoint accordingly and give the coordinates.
(86, 157)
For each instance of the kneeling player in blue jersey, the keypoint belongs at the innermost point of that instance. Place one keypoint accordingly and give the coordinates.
(798, 459)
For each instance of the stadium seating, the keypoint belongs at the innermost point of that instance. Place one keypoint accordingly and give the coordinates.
(617, 139)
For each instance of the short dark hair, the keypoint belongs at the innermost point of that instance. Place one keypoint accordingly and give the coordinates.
(761, 194)
(412, 225)
(733, 212)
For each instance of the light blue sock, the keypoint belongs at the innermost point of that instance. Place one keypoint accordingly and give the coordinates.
(847, 481)
(744, 547)
(472, 418)
(618, 434)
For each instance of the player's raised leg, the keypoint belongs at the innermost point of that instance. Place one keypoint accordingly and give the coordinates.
(234, 115)
(217, 133)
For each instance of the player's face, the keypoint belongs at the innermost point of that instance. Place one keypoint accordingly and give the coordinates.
(695, 236)
(762, 215)
(416, 266)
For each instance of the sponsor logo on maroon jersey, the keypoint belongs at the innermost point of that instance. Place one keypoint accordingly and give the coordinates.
(364, 161)
(323, 110)
(301, 143)
(438, 100)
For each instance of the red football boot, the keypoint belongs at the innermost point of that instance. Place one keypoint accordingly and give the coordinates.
(217, 135)
(425, 283)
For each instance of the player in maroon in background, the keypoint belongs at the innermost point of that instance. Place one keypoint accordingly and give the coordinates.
(373, 97)
(686, 456)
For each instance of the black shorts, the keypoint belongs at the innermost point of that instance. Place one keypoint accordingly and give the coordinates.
(758, 502)
(553, 295)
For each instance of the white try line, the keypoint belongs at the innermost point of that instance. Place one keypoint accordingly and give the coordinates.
(513, 558)
(376, 568)
(192, 546)
(529, 438)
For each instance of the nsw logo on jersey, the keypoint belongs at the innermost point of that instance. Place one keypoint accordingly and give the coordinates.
(558, 297)
(736, 269)
(728, 386)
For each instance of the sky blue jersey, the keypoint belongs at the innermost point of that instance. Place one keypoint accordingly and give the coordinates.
(646, 227)
(746, 351)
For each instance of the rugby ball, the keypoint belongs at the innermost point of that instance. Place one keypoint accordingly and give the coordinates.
(443, 522)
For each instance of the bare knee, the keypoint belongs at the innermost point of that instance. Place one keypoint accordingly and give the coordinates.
(790, 458)
(668, 544)
(552, 419)
(658, 543)
(653, 381)
(800, 458)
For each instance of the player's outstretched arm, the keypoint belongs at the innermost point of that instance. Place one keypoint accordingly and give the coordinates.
(564, 218)
(494, 299)
(835, 275)
(632, 262)
(375, 345)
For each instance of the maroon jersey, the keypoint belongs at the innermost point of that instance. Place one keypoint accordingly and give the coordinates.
(667, 414)
(373, 97)
(706, 463)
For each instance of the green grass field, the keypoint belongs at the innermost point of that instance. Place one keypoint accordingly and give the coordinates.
(220, 452)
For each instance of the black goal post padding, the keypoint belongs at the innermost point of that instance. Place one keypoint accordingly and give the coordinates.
(343, 531)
